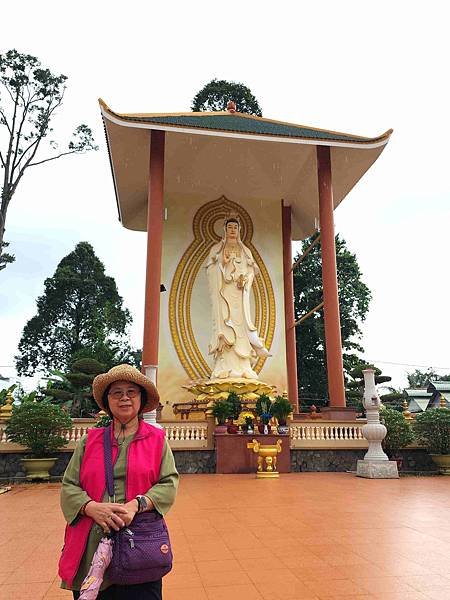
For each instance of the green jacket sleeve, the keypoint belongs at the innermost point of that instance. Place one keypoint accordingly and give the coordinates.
(72, 496)
(163, 493)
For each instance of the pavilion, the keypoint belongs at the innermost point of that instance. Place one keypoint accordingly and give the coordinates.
(306, 171)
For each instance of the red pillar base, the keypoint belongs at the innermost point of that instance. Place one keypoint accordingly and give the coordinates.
(339, 413)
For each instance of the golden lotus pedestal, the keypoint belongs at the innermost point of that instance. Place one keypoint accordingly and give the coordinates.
(207, 391)
(267, 457)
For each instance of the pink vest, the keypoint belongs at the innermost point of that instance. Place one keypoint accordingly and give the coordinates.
(142, 473)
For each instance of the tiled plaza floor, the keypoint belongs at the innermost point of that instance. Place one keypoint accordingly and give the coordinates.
(308, 536)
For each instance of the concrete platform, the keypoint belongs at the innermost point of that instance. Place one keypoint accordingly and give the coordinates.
(305, 536)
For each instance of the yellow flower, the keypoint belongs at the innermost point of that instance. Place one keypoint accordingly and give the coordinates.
(243, 415)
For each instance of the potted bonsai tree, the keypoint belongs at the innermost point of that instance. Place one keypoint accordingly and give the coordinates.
(221, 410)
(262, 409)
(399, 433)
(39, 427)
(281, 408)
(432, 429)
(235, 407)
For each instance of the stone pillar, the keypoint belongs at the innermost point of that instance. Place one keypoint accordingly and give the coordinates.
(155, 207)
(289, 315)
(335, 369)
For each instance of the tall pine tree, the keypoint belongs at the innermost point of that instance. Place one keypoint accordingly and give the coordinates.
(354, 298)
(80, 314)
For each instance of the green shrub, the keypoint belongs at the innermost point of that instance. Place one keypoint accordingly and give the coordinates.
(432, 429)
(281, 408)
(234, 402)
(221, 410)
(39, 427)
(399, 432)
(104, 421)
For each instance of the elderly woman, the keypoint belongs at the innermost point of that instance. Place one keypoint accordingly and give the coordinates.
(145, 479)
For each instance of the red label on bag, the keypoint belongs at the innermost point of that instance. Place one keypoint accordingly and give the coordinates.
(164, 548)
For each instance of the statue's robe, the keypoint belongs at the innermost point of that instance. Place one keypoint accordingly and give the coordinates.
(234, 343)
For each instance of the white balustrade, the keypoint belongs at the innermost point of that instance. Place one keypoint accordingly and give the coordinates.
(186, 435)
(327, 435)
(191, 434)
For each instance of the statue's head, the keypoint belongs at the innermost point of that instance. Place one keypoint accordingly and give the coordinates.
(232, 228)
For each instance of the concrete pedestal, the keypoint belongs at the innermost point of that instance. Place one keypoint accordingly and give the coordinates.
(377, 469)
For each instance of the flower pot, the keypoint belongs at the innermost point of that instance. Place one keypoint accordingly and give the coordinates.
(443, 462)
(283, 429)
(222, 428)
(38, 468)
(264, 428)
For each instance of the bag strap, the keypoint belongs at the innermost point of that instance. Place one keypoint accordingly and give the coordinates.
(108, 462)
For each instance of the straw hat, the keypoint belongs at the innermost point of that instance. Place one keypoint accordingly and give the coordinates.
(125, 373)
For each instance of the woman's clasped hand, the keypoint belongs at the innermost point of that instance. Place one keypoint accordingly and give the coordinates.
(111, 515)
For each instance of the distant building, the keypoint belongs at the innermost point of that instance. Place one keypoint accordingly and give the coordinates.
(423, 399)
(438, 389)
(418, 399)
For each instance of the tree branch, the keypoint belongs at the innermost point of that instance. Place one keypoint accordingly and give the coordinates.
(8, 161)
(37, 140)
(6, 121)
(9, 92)
(54, 157)
(18, 136)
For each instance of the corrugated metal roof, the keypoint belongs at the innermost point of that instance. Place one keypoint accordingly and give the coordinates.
(418, 393)
(440, 385)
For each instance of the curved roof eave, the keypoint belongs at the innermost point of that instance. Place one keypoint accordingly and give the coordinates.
(128, 148)
(321, 137)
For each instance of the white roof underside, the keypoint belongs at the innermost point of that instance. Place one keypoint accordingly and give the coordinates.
(206, 166)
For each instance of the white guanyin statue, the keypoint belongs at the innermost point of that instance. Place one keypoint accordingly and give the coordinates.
(231, 268)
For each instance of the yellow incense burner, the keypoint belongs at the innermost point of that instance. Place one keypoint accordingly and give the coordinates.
(267, 458)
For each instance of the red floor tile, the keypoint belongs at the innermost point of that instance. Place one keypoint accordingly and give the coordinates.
(306, 536)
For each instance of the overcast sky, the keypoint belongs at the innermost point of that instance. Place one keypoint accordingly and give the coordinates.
(356, 67)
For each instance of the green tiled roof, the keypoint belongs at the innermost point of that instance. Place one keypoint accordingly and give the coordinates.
(240, 123)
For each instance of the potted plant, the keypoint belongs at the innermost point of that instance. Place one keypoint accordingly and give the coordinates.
(235, 407)
(281, 408)
(432, 429)
(249, 424)
(262, 409)
(39, 427)
(246, 419)
(221, 410)
(399, 433)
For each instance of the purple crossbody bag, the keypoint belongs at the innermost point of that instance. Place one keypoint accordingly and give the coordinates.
(141, 551)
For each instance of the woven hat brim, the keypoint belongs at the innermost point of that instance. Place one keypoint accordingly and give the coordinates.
(125, 373)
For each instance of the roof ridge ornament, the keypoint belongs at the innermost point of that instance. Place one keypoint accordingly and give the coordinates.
(231, 106)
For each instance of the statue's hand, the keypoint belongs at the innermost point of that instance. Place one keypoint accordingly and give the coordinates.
(241, 281)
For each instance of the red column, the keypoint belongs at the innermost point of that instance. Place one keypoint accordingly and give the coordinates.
(289, 315)
(155, 207)
(329, 276)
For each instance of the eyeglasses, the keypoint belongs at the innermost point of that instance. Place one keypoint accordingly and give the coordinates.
(131, 393)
